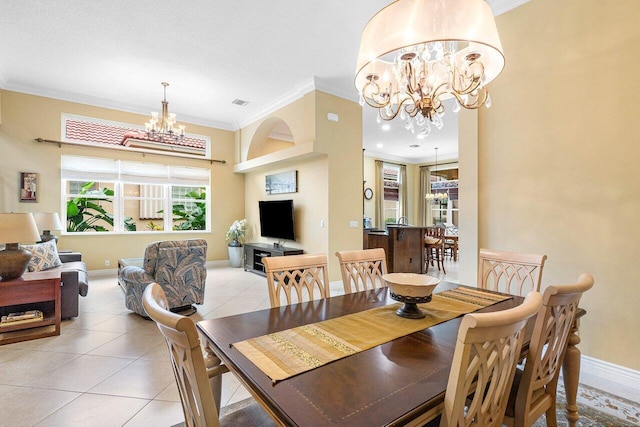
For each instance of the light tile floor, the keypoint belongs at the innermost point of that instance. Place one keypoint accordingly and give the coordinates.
(110, 367)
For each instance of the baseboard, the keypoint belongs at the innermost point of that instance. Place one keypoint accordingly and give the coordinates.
(101, 274)
(609, 373)
(218, 263)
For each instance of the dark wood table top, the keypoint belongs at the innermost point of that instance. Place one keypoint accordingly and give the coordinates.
(387, 385)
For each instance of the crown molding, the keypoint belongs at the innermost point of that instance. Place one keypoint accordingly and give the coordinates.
(279, 102)
(311, 85)
(410, 161)
(105, 103)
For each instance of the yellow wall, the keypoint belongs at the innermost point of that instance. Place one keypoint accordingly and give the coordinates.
(298, 115)
(369, 174)
(342, 142)
(310, 204)
(26, 117)
(558, 158)
(413, 188)
(329, 179)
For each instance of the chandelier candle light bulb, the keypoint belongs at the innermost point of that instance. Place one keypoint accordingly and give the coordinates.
(161, 128)
(416, 53)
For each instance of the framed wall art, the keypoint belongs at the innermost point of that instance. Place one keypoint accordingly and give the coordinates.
(280, 183)
(28, 186)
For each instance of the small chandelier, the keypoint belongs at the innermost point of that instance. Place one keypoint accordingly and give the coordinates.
(436, 197)
(416, 53)
(161, 129)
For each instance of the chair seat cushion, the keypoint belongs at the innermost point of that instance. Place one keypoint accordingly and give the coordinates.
(245, 413)
(511, 404)
(428, 240)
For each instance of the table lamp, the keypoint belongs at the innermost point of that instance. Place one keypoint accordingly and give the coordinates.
(18, 228)
(46, 222)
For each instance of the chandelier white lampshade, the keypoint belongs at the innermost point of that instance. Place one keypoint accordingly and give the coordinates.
(416, 53)
(47, 222)
(16, 228)
(163, 128)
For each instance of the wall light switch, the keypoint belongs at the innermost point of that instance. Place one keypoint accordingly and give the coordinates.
(321, 223)
(353, 224)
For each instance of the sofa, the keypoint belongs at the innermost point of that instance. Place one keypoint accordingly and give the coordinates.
(74, 280)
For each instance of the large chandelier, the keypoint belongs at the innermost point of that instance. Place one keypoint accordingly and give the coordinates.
(163, 128)
(436, 197)
(416, 53)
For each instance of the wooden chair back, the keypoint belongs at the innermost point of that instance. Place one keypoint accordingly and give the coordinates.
(510, 272)
(484, 362)
(434, 241)
(435, 233)
(536, 392)
(363, 269)
(297, 278)
(197, 397)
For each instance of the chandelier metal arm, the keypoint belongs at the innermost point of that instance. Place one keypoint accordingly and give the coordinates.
(161, 129)
(456, 54)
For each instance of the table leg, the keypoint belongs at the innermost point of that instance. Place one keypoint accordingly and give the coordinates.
(571, 373)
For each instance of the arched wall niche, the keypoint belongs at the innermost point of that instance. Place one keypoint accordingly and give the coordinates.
(271, 135)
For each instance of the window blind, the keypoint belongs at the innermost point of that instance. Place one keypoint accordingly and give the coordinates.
(99, 169)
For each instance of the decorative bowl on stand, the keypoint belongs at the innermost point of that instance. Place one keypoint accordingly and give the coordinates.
(411, 289)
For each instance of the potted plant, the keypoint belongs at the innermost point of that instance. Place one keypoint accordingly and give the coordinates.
(235, 234)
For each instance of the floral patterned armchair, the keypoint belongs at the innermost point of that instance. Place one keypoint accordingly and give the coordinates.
(177, 266)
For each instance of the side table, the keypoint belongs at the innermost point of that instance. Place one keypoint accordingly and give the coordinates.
(38, 290)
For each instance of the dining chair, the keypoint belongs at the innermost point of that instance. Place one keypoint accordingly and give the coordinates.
(510, 272)
(362, 269)
(534, 389)
(451, 243)
(484, 363)
(296, 276)
(434, 248)
(199, 378)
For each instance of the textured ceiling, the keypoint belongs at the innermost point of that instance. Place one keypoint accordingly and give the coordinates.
(115, 54)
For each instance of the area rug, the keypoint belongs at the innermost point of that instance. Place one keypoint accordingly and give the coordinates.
(596, 408)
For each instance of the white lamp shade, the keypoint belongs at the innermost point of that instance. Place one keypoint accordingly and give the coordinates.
(406, 23)
(18, 228)
(47, 221)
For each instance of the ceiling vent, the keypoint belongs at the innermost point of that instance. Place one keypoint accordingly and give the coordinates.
(240, 102)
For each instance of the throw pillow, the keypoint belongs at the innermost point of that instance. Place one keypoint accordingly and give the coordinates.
(43, 256)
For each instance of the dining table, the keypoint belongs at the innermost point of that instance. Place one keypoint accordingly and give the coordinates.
(399, 382)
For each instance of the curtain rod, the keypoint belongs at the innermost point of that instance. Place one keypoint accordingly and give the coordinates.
(439, 164)
(144, 152)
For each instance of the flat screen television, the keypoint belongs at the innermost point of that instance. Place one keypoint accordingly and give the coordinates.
(276, 219)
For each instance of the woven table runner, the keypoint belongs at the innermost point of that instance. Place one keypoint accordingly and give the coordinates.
(284, 354)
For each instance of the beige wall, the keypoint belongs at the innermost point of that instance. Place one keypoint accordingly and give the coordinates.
(26, 117)
(369, 174)
(558, 158)
(329, 192)
(310, 204)
(342, 142)
(413, 188)
(468, 196)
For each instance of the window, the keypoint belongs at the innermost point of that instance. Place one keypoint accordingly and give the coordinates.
(107, 195)
(445, 212)
(391, 177)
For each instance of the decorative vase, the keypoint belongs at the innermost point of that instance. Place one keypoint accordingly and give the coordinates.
(235, 253)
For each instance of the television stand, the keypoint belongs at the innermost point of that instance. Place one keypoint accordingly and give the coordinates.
(254, 252)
